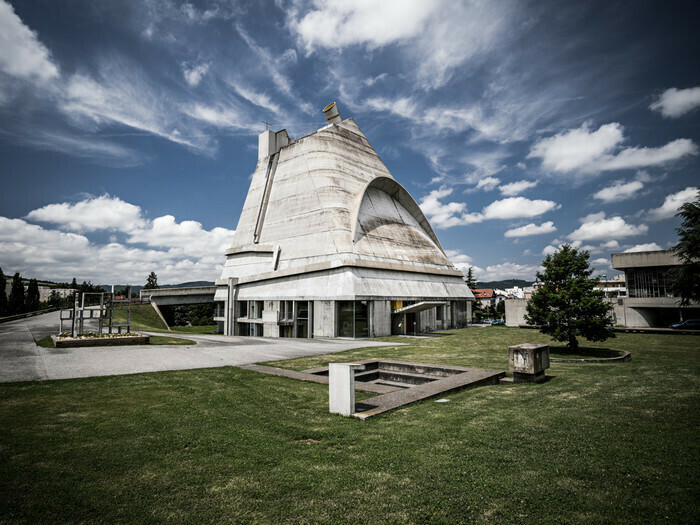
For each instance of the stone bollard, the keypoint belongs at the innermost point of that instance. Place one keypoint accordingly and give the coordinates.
(341, 387)
(528, 362)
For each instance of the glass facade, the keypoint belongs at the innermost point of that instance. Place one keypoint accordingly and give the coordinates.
(647, 282)
(302, 318)
(352, 319)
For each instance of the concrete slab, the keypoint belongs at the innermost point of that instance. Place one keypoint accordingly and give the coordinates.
(22, 360)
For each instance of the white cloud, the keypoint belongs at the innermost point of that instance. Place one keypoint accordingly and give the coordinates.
(221, 117)
(518, 207)
(420, 30)
(187, 236)
(597, 263)
(597, 227)
(648, 247)
(508, 270)
(488, 184)
(177, 252)
(446, 215)
(671, 204)
(577, 148)
(455, 213)
(194, 74)
(515, 188)
(674, 103)
(98, 150)
(531, 229)
(22, 55)
(254, 96)
(98, 213)
(591, 151)
(619, 191)
(121, 94)
(273, 68)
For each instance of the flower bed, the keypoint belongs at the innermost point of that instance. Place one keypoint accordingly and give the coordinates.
(64, 340)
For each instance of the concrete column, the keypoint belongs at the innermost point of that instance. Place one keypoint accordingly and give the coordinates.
(341, 387)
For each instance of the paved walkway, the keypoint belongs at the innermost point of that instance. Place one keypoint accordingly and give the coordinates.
(22, 360)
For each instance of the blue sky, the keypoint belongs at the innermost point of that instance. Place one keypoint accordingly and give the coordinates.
(128, 129)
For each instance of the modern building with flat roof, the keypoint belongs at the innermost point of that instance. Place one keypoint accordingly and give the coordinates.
(329, 244)
(649, 301)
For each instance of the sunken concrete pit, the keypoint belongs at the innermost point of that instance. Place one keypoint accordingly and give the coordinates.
(398, 383)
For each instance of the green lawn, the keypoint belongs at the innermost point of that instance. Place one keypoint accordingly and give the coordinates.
(144, 317)
(596, 443)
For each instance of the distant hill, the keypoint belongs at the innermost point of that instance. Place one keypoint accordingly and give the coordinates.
(138, 288)
(508, 283)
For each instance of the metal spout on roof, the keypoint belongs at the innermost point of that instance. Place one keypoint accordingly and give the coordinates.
(332, 114)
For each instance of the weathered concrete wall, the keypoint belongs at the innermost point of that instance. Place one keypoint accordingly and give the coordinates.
(324, 318)
(515, 311)
(620, 261)
(380, 325)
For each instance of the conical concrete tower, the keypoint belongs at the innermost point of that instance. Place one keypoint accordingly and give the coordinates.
(330, 245)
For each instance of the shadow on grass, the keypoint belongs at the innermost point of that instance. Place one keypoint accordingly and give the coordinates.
(584, 352)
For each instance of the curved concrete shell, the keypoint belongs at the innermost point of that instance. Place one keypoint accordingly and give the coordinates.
(324, 221)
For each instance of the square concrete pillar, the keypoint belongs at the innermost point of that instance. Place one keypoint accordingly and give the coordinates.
(341, 387)
(528, 362)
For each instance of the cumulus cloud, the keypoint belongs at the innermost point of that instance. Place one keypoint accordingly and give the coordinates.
(92, 214)
(515, 188)
(194, 74)
(619, 191)
(177, 252)
(455, 213)
(592, 151)
(671, 204)
(648, 247)
(518, 207)
(597, 227)
(531, 229)
(22, 55)
(674, 103)
(446, 215)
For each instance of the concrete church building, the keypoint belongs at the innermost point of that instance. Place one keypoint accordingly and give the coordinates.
(330, 245)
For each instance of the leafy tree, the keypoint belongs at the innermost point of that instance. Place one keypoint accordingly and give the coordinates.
(566, 306)
(3, 294)
(151, 282)
(15, 303)
(32, 304)
(685, 279)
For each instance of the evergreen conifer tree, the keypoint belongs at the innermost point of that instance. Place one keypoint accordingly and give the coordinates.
(15, 303)
(566, 305)
(3, 294)
(151, 282)
(32, 302)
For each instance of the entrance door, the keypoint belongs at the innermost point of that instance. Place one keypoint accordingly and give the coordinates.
(411, 324)
(398, 324)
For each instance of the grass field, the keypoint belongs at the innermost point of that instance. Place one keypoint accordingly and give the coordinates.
(602, 443)
(144, 317)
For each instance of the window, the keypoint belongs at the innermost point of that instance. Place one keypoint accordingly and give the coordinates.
(242, 308)
(353, 319)
(647, 282)
(302, 318)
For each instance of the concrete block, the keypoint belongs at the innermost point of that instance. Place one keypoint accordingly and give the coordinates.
(341, 387)
(528, 362)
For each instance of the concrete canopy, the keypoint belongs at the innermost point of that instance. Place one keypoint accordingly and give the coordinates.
(324, 219)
